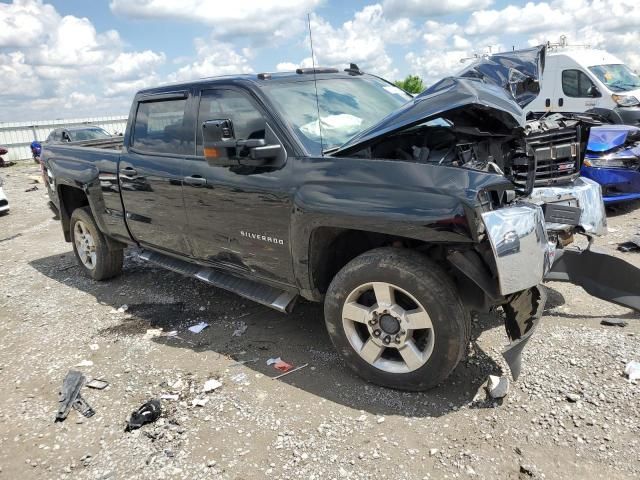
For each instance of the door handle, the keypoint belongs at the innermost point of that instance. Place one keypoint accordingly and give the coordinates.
(129, 172)
(560, 102)
(195, 180)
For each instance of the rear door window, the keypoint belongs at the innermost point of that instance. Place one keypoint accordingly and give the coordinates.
(161, 127)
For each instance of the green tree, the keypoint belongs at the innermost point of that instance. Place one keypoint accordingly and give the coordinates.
(412, 84)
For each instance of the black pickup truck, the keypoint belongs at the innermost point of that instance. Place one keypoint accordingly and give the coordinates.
(404, 215)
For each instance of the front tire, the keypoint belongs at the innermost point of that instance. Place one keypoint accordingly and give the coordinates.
(91, 249)
(397, 319)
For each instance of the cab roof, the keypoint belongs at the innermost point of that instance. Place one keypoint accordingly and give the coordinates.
(587, 57)
(265, 78)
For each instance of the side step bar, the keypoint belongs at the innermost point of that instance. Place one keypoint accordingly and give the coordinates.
(275, 298)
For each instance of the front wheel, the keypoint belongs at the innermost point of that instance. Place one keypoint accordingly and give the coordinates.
(91, 249)
(397, 319)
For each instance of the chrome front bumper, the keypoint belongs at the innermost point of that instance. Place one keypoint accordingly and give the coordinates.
(519, 235)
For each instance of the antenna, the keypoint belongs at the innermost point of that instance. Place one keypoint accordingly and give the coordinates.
(315, 84)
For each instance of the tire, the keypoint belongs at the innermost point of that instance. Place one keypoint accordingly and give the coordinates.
(91, 249)
(415, 358)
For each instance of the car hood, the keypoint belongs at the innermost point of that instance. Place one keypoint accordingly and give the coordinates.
(464, 101)
(518, 72)
(607, 137)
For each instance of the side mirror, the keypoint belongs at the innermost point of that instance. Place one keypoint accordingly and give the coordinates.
(219, 142)
(593, 91)
(222, 149)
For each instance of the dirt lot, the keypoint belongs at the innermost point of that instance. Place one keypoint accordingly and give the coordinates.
(319, 423)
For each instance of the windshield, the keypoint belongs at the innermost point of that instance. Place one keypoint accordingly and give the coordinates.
(88, 134)
(618, 77)
(347, 106)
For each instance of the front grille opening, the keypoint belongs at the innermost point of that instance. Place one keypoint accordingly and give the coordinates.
(557, 153)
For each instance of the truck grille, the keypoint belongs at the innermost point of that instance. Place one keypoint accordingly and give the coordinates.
(557, 154)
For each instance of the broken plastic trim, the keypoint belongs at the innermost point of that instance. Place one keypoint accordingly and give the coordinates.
(522, 314)
(69, 396)
(600, 274)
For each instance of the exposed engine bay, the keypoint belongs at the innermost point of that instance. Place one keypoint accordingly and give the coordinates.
(546, 152)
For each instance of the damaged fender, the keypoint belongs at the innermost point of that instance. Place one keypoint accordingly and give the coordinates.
(600, 274)
(522, 314)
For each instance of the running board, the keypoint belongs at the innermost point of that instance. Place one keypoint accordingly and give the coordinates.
(275, 298)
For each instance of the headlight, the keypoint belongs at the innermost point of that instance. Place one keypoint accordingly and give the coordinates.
(625, 100)
(609, 161)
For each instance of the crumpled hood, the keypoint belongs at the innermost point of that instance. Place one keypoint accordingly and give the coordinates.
(607, 137)
(463, 101)
(518, 72)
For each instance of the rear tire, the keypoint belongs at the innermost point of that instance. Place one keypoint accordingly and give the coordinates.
(91, 249)
(397, 319)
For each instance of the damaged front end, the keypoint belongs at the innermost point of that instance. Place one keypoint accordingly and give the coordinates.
(523, 225)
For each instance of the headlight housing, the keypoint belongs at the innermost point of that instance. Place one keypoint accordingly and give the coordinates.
(610, 161)
(625, 100)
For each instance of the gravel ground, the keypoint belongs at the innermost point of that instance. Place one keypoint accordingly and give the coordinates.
(572, 414)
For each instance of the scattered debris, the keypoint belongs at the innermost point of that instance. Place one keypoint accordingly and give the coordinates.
(497, 387)
(288, 371)
(198, 327)
(242, 328)
(69, 396)
(199, 402)
(147, 413)
(172, 333)
(380, 420)
(98, 384)
(240, 378)
(85, 363)
(632, 370)
(32, 189)
(169, 396)
(211, 385)
(630, 245)
(433, 451)
(573, 397)
(280, 364)
(94, 347)
(153, 333)
(613, 322)
(123, 308)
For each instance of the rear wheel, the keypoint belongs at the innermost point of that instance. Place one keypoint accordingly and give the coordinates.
(397, 319)
(91, 249)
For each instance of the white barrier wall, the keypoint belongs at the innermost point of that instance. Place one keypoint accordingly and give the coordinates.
(17, 136)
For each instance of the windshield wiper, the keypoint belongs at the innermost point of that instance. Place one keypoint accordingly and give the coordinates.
(330, 150)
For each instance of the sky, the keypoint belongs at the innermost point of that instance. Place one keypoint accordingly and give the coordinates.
(77, 58)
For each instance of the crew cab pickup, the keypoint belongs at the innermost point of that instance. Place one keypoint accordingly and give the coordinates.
(404, 215)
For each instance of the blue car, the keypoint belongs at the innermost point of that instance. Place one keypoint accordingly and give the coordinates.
(613, 160)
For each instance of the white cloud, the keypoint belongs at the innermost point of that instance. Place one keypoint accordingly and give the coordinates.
(213, 59)
(273, 18)
(17, 77)
(514, 20)
(362, 40)
(24, 22)
(431, 8)
(129, 65)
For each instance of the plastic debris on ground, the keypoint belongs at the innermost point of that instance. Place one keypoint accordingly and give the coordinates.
(69, 396)
(279, 364)
(199, 402)
(242, 328)
(240, 378)
(198, 327)
(123, 308)
(97, 384)
(147, 413)
(632, 370)
(211, 385)
(290, 371)
(85, 363)
(153, 333)
(631, 245)
(497, 387)
(169, 396)
(613, 322)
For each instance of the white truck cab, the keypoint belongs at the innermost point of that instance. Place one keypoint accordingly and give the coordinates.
(582, 79)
